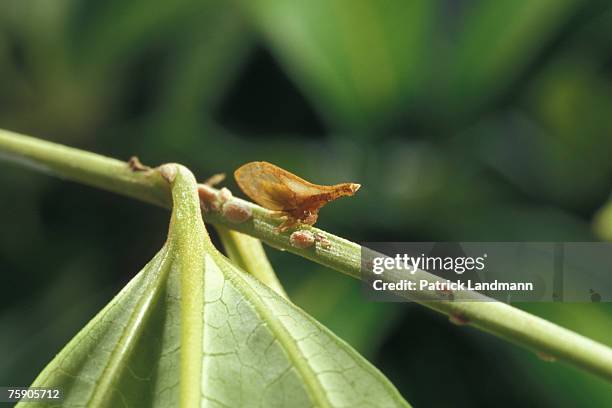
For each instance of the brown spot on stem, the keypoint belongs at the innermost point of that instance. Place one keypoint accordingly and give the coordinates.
(135, 164)
(459, 319)
(236, 212)
(546, 357)
(302, 239)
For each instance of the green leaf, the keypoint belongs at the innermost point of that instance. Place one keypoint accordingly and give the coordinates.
(249, 255)
(191, 330)
(360, 62)
(367, 64)
(496, 42)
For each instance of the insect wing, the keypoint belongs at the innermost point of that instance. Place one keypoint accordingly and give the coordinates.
(261, 182)
(275, 188)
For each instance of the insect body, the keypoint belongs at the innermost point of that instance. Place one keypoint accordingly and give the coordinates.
(277, 189)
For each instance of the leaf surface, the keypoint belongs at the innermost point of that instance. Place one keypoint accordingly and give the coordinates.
(191, 329)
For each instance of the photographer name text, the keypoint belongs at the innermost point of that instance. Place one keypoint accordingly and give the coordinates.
(468, 285)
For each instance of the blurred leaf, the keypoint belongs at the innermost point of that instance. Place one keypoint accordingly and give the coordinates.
(367, 64)
(192, 328)
(603, 222)
(572, 102)
(496, 41)
(359, 61)
(113, 31)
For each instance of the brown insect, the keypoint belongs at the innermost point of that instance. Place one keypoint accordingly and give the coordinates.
(296, 199)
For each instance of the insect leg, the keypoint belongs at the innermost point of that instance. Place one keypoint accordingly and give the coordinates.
(288, 223)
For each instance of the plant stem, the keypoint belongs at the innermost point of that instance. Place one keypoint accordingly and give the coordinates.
(500, 319)
(85, 167)
(248, 253)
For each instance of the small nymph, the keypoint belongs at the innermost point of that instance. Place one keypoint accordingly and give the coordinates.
(302, 239)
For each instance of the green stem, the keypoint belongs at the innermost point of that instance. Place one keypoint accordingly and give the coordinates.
(248, 253)
(342, 255)
(85, 167)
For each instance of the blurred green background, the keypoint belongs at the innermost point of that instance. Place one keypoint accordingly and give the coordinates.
(463, 120)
